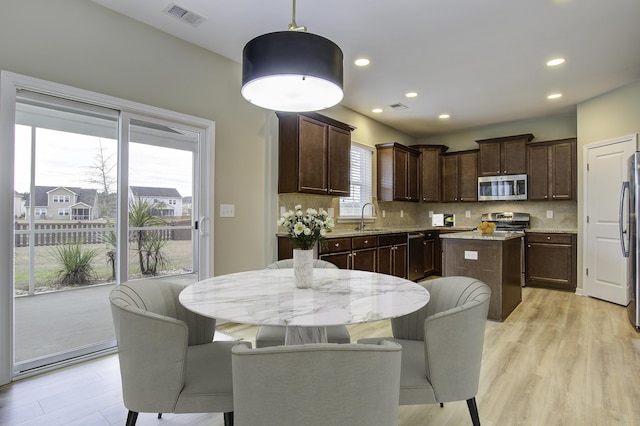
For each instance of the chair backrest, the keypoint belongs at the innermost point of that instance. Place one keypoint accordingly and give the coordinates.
(160, 296)
(316, 384)
(153, 331)
(453, 325)
(446, 293)
(288, 263)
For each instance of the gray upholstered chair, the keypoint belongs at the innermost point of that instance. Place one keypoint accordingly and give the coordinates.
(270, 335)
(442, 344)
(316, 385)
(168, 360)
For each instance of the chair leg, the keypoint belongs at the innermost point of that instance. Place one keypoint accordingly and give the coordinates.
(473, 410)
(159, 415)
(131, 418)
(228, 419)
(441, 404)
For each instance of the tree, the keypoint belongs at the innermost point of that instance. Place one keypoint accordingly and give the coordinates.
(103, 176)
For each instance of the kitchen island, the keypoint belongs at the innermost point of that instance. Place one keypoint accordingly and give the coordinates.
(495, 259)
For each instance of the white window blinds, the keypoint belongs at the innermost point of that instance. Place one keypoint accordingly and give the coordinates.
(361, 182)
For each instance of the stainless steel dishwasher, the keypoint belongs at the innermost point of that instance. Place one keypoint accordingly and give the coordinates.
(415, 256)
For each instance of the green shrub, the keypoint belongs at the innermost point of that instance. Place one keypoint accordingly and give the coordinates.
(75, 264)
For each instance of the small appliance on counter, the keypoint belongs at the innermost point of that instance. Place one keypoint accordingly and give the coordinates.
(443, 219)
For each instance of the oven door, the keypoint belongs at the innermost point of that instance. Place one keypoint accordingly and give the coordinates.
(496, 188)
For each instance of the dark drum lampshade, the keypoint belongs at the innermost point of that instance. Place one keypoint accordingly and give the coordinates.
(292, 71)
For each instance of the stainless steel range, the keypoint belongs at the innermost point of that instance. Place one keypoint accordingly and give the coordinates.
(508, 221)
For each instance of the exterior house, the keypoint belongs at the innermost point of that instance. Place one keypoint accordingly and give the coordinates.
(18, 204)
(163, 201)
(187, 205)
(60, 202)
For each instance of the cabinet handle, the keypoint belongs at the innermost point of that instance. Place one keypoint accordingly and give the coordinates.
(545, 197)
(354, 254)
(548, 238)
(366, 241)
(529, 245)
(337, 245)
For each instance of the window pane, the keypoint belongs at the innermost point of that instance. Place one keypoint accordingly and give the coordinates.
(361, 183)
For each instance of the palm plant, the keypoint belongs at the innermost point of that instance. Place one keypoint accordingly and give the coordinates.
(140, 217)
(75, 264)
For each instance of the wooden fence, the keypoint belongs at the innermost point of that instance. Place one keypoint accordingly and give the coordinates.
(53, 233)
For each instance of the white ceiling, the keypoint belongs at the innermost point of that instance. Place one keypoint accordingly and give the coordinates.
(482, 61)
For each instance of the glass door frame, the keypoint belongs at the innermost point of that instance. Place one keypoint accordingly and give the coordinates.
(10, 83)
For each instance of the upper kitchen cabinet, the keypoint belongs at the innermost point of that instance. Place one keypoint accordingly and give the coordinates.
(397, 172)
(459, 176)
(430, 171)
(552, 170)
(314, 154)
(503, 156)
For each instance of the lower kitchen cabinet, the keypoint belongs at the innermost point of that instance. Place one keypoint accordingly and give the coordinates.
(358, 253)
(551, 261)
(392, 254)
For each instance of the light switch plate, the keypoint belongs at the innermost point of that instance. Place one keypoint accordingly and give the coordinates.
(549, 214)
(227, 210)
(330, 211)
(467, 213)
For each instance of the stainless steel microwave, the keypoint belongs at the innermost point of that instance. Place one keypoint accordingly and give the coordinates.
(498, 188)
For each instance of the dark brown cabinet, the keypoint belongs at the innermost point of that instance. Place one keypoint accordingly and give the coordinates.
(503, 156)
(392, 254)
(429, 169)
(397, 172)
(314, 154)
(552, 170)
(358, 253)
(429, 252)
(551, 261)
(459, 176)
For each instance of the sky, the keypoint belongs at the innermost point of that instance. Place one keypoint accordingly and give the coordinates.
(68, 159)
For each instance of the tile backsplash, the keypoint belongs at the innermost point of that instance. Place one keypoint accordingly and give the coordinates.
(563, 213)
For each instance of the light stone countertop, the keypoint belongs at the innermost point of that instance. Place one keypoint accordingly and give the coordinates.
(477, 235)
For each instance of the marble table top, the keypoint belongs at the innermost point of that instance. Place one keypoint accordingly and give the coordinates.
(269, 297)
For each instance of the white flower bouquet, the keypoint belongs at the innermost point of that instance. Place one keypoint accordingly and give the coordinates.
(305, 228)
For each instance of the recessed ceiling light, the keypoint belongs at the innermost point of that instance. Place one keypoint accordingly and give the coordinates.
(555, 62)
(411, 94)
(376, 110)
(554, 96)
(362, 62)
(444, 116)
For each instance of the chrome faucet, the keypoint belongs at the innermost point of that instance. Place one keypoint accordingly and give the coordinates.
(373, 208)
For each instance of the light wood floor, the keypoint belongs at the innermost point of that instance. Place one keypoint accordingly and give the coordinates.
(559, 359)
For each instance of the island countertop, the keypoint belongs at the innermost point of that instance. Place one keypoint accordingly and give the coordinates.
(477, 235)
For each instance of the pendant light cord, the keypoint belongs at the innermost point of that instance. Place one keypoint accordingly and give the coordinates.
(293, 26)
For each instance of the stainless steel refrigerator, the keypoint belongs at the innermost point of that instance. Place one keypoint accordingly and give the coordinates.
(629, 232)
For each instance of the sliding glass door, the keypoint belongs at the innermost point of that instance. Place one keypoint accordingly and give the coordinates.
(101, 196)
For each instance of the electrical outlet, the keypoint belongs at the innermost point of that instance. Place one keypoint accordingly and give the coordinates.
(283, 210)
(227, 210)
(430, 213)
(467, 213)
(384, 213)
(330, 211)
(401, 213)
(549, 214)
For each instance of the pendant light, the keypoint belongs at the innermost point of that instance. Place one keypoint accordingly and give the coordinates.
(292, 70)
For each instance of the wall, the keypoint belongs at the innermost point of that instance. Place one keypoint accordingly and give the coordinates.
(605, 117)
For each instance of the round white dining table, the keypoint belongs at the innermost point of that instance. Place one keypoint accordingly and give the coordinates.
(270, 297)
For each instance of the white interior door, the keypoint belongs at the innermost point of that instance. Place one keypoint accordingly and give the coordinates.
(606, 267)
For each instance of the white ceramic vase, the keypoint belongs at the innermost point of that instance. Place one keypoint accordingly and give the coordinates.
(303, 268)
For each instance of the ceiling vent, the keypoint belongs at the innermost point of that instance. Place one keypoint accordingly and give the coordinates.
(184, 14)
(398, 106)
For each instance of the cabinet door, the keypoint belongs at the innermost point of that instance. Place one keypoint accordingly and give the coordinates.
(549, 266)
(400, 171)
(339, 164)
(468, 172)
(430, 175)
(538, 173)
(429, 257)
(399, 254)
(312, 156)
(490, 159)
(514, 157)
(413, 160)
(561, 164)
(449, 178)
(364, 260)
(341, 260)
(385, 263)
